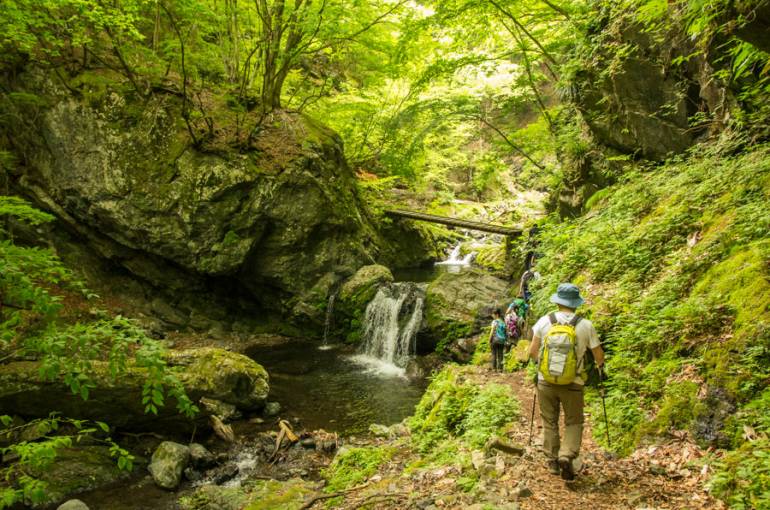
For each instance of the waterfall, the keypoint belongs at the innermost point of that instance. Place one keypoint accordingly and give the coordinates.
(455, 260)
(391, 322)
(328, 320)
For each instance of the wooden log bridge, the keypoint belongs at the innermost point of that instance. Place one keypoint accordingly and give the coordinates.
(454, 222)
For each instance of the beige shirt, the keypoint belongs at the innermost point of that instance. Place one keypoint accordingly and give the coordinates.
(585, 334)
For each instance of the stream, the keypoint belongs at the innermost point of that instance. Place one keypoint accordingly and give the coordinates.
(333, 389)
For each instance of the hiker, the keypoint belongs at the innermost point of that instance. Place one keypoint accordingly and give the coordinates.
(559, 343)
(512, 324)
(497, 340)
(520, 307)
(529, 275)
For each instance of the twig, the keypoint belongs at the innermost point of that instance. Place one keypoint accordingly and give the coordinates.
(320, 497)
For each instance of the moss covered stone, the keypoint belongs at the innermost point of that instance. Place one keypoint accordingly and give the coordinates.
(256, 495)
(77, 470)
(353, 297)
(460, 305)
(206, 372)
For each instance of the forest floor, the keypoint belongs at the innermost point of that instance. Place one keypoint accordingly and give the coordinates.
(669, 475)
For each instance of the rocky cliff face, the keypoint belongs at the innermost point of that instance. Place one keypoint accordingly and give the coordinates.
(280, 223)
(642, 88)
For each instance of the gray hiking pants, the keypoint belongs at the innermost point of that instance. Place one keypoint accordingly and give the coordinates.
(498, 356)
(553, 398)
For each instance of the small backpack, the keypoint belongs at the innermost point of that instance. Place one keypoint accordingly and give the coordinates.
(512, 325)
(558, 353)
(500, 334)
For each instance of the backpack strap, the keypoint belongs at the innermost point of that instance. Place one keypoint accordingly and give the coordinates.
(552, 318)
(575, 320)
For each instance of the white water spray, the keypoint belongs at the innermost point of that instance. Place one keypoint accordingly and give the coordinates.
(391, 322)
(454, 258)
(328, 322)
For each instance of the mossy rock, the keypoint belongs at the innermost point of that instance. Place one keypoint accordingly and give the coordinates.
(257, 495)
(205, 372)
(359, 289)
(460, 306)
(77, 470)
(354, 296)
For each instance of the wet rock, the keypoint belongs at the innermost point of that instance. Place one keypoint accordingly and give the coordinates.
(718, 406)
(226, 473)
(77, 470)
(226, 412)
(73, 504)
(167, 464)
(206, 372)
(308, 442)
(192, 475)
(200, 457)
(360, 288)
(271, 409)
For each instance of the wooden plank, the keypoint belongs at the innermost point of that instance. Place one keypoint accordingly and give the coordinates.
(455, 222)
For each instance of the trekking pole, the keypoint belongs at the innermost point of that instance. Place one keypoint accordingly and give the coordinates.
(604, 406)
(532, 416)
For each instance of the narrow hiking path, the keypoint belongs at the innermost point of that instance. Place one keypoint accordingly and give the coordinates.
(665, 476)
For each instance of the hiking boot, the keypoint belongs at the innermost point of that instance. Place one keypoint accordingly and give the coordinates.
(567, 471)
(553, 467)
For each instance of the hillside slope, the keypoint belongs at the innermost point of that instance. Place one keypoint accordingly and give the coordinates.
(675, 264)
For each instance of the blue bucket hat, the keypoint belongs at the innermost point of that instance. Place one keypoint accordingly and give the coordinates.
(568, 295)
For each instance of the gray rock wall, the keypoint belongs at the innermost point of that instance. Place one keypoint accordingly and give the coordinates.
(281, 220)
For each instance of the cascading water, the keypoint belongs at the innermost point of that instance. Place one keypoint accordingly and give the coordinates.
(328, 321)
(454, 258)
(391, 322)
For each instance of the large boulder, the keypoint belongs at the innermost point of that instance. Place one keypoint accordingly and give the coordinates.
(167, 464)
(205, 372)
(459, 306)
(76, 470)
(279, 221)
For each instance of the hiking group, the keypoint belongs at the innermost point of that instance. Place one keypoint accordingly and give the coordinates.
(560, 342)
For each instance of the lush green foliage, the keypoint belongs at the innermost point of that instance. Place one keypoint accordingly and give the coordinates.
(354, 465)
(33, 282)
(674, 261)
(455, 407)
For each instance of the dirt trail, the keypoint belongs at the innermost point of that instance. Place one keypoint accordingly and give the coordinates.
(657, 477)
(666, 476)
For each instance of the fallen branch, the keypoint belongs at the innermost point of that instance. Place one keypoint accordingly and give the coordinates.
(320, 497)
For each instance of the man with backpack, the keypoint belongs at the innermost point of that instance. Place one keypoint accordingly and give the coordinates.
(497, 339)
(559, 344)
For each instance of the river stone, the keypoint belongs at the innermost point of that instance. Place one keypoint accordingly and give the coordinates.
(200, 457)
(227, 412)
(73, 504)
(205, 372)
(167, 464)
(272, 409)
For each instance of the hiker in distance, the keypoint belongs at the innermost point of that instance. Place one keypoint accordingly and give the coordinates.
(559, 343)
(497, 338)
